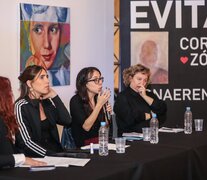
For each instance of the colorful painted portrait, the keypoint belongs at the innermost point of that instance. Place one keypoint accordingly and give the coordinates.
(45, 40)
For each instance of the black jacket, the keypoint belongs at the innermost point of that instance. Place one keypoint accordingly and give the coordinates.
(28, 117)
(6, 147)
(130, 109)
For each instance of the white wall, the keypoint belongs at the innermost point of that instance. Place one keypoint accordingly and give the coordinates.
(91, 40)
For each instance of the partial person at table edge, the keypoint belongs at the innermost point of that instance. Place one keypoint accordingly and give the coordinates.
(9, 157)
(134, 105)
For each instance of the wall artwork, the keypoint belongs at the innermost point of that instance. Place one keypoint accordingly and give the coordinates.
(45, 40)
(151, 50)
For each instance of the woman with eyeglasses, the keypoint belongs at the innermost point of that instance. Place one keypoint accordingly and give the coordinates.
(88, 105)
(134, 105)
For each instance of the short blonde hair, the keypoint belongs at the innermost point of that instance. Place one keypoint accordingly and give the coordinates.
(132, 70)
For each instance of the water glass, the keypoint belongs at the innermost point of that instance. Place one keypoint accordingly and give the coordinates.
(198, 124)
(146, 133)
(120, 144)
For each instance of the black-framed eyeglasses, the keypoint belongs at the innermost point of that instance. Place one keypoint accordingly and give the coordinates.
(96, 80)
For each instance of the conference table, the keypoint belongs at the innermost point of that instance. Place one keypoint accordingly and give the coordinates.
(177, 156)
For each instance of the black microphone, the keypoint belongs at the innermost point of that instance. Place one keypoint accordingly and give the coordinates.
(108, 115)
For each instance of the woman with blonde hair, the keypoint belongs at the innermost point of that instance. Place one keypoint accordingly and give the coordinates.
(134, 105)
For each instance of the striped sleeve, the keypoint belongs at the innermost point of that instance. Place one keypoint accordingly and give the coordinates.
(24, 131)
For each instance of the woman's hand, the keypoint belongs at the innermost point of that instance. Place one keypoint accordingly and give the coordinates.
(147, 116)
(142, 91)
(103, 97)
(101, 100)
(32, 162)
(50, 94)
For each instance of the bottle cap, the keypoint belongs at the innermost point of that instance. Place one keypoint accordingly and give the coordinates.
(154, 115)
(103, 123)
(188, 108)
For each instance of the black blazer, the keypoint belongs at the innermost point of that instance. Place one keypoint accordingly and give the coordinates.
(6, 147)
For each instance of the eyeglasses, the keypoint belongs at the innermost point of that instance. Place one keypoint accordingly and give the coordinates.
(97, 80)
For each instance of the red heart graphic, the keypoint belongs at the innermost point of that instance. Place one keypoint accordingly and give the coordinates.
(184, 59)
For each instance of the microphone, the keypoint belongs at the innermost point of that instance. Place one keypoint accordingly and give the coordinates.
(107, 114)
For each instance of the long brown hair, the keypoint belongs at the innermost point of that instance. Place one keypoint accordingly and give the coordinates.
(7, 107)
(28, 74)
(81, 80)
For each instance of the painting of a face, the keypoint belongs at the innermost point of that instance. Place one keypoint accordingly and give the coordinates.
(44, 39)
(148, 55)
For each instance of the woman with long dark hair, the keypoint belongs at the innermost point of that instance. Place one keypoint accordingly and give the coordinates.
(88, 105)
(39, 109)
(8, 129)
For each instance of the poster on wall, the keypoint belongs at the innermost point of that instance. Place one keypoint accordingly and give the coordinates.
(151, 50)
(170, 38)
(45, 40)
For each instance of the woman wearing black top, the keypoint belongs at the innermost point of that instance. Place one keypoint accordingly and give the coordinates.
(39, 109)
(134, 105)
(88, 105)
(8, 128)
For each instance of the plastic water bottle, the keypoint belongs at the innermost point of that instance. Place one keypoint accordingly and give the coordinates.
(188, 121)
(103, 140)
(154, 126)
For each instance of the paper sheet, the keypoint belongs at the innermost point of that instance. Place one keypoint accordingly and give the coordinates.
(133, 134)
(62, 161)
(96, 146)
(170, 130)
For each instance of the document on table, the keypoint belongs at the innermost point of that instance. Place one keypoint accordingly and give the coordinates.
(171, 130)
(62, 161)
(96, 146)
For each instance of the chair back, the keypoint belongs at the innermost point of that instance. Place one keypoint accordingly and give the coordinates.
(114, 126)
(67, 140)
